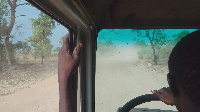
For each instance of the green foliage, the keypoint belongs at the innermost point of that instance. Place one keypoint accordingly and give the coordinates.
(140, 43)
(155, 36)
(180, 35)
(163, 46)
(104, 45)
(42, 28)
(57, 49)
(164, 52)
(3, 14)
(43, 50)
(161, 40)
(108, 43)
(61, 40)
(3, 54)
(144, 51)
(100, 45)
(156, 40)
(3, 23)
(21, 47)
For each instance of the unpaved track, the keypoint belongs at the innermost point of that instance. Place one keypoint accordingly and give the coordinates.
(40, 97)
(119, 78)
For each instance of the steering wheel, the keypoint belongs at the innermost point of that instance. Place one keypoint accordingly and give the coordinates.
(137, 101)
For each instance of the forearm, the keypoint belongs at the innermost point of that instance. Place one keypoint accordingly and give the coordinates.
(66, 103)
(68, 62)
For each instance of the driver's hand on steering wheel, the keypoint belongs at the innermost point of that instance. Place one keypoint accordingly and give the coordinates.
(164, 95)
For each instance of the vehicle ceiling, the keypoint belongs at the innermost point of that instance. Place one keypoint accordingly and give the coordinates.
(117, 14)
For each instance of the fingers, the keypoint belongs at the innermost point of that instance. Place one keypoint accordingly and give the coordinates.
(167, 89)
(77, 49)
(157, 93)
(65, 45)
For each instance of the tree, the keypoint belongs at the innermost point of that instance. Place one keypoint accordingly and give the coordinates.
(42, 30)
(179, 36)
(21, 47)
(61, 39)
(156, 39)
(61, 42)
(8, 23)
(140, 43)
(57, 49)
(3, 12)
(108, 43)
(7, 31)
(1, 53)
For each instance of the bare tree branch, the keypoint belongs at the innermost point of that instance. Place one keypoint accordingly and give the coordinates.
(10, 3)
(147, 35)
(12, 20)
(23, 4)
(15, 3)
(156, 41)
(154, 31)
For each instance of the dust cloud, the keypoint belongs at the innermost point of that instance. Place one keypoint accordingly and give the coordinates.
(121, 76)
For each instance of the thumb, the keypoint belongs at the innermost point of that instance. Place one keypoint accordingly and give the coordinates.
(156, 93)
(77, 50)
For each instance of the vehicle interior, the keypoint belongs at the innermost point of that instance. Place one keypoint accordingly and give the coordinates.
(86, 18)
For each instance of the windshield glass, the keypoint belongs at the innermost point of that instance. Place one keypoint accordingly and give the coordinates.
(29, 43)
(131, 63)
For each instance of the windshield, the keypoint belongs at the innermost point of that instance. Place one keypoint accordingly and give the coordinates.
(131, 63)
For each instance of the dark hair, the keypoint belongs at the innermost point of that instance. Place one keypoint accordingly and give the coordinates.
(184, 65)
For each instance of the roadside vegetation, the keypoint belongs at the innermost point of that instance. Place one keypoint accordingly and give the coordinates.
(158, 47)
(24, 61)
(153, 45)
(37, 48)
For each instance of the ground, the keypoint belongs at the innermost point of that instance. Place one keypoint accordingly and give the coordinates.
(30, 87)
(120, 76)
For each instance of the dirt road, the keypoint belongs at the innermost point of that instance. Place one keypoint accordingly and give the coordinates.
(119, 78)
(39, 97)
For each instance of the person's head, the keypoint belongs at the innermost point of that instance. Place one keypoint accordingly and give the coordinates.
(184, 72)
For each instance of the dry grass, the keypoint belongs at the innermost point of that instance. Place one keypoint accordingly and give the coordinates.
(24, 74)
(30, 58)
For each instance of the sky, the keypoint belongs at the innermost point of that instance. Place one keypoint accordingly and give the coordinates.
(124, 38)
(32, 12)
(120, 37)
